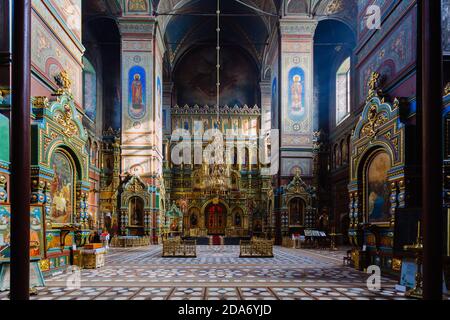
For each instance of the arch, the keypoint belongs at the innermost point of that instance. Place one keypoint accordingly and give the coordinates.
(136, 211)
(374, 176)
(194, 217)
(215, 214)
(166, 6)
(296, 211)
(237, 216)
(62, 188)
(60, 145)
(343, 91)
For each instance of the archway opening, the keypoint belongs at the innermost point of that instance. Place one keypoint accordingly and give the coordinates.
(215, 219)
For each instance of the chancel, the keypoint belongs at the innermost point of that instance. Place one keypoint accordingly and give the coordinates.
(227, 149)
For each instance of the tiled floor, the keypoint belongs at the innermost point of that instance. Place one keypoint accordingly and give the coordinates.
(218, 273)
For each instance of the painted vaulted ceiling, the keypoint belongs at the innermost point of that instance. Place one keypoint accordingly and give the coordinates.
(188, 23)
(183, 26)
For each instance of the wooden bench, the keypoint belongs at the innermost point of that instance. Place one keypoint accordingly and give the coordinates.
(256, 248)
(177, 248)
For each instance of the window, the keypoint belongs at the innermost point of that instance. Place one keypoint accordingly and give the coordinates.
(343, 91)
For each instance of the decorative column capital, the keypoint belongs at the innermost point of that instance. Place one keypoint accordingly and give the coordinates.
(298, 26)
(137, 26)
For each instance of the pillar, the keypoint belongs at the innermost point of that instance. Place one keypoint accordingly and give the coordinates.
(20, 151)
(430, 97)
(142, 94)
(298, 114)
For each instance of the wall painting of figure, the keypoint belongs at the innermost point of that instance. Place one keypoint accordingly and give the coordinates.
(137, 92)
(62, 188)
(296, 94)
(5, 233)
(158, 97)
(378, 188)
(274, 107)
(90, 90)
(36, 232)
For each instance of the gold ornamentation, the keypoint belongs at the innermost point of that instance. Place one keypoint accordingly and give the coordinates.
(396, 264)
(373, 86)
(134, 185)
(3, 94)
(44, 264)
(64, 83)
(297, 185)
(375, 121)
(447, 90)
(65, 119)
(333, 7)
(40, 102)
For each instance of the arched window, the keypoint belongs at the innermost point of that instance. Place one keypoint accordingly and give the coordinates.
(343, 91)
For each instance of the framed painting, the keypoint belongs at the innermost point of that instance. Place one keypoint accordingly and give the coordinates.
(37, 231)
(5, 234)
(62, 188)
(377, 188)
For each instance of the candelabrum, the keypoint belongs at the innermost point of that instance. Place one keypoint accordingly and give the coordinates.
(417, 249)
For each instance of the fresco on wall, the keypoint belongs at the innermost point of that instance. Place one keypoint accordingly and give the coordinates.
(49, 58)
(195, 78)
(378, 189)
(158, 97)
(297, 6)
(446, 26)
(137, 5)
(90, 90)
(296, 94)
(392, 56)
(274, 107)
(137, 92)
(5, 234)
(62, 188)
(36, 232)
(70, 11)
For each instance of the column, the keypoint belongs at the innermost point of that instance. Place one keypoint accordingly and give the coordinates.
(20, 152)
(266, 103)
(430, 97)
(298, 114)
(141, 98)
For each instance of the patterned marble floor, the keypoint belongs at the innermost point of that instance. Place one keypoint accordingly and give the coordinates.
(219, 274)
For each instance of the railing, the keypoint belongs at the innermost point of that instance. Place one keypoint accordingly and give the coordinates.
(256, 248)
(130, 241)
(179, 248)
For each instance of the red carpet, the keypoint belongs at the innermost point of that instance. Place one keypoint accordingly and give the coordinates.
(216, 241)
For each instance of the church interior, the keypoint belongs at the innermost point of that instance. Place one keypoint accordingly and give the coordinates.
(225, 149)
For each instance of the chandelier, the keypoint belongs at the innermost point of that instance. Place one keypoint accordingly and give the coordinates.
(216, 176)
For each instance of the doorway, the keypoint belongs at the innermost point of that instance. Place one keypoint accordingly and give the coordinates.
(215, 219)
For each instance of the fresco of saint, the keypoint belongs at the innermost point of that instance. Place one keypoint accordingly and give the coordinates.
(378, 191)
(297, 94)
(61, 189)
(136, 89)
